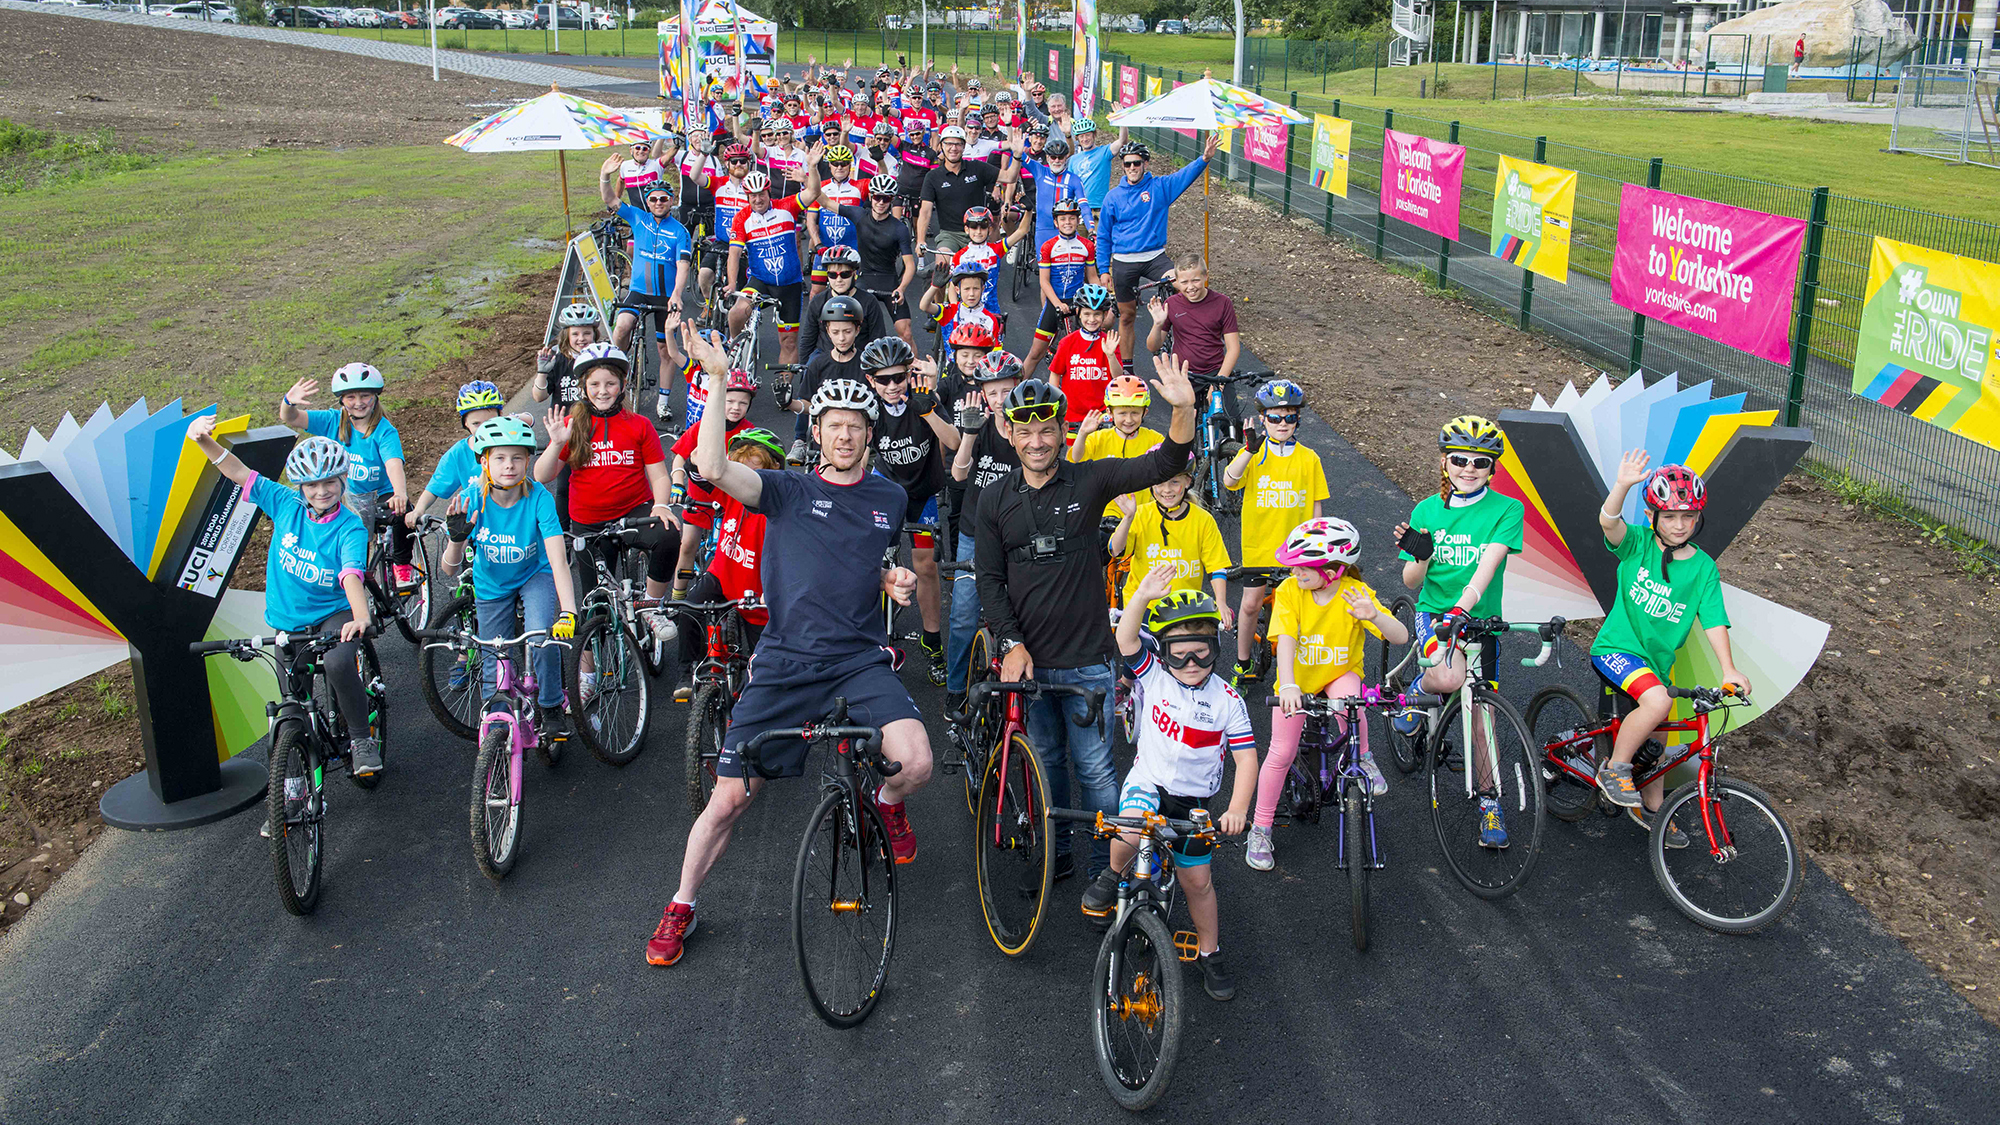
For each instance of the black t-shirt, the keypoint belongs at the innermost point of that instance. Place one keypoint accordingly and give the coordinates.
(883, 245)
(822, 367)
(952, 194)
(907, 450)
(565, 389)
(913, 163)
(993, 457)
(874, 323)
(822, 562)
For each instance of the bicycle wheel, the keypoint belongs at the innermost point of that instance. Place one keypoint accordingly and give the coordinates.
(1135, 1009)
(1757, 882)
(612, 718)
(844, 909)
(1557, 714)
(632, 563)
(1456, 814)
(450, 680)
(1300, 799)
(1354, 853)
(1017, 259)
(496, 815)
(706, 723)
(1127, 708)
(985, 728)
(1407, 751)
(1207, 488)
(295, 806)
(1011, 853)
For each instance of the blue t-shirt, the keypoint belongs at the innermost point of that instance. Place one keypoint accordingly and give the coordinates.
(366, 452)
(1051, 187)
(1094, 168)
(457, 466)
(302, 571)
(822, 565)
(658, 245)
(506, 544)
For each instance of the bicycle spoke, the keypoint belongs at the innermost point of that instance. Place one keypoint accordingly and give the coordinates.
(1757, 877)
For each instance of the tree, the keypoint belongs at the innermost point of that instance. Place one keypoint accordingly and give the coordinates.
(1320, 19)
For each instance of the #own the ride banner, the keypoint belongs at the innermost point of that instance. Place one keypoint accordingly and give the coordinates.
(1533, 210)
(1333, 140)
(1421, 181)
(1928, 324)
(1726, 273)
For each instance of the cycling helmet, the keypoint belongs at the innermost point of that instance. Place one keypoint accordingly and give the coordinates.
(602, 355)
(841, 309)
(979, 216)
(846, 255)
(1180, 607)
(951, 133)
(972, 84)
(1038, 90)
(479, 395)
(1321, 542)
(782, 126)
(994, 366)
(843, 394)
(1057, 149)
(1004, 95)
(1084, 126)
(580, 316)
(968, 268)
(1280, 392)
(840, 154)
(741, 380)
(883, 184)
(1127, 390)
(501, 431)
(737, 151)
(756, 182)
(1030, 394)
(972, 336)
(1134, 148)
(355, 377)
(316, 458)
(760, 437)
(1472, 434)
(889, 351)
(1092, 297)
(882, 129)
(1070, 206)
(1675, 488)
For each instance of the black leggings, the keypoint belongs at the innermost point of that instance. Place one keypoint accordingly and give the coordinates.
(659, 561)
(343, 675)
(708, 588)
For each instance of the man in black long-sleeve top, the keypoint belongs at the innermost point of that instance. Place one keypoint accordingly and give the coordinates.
(1040, 564)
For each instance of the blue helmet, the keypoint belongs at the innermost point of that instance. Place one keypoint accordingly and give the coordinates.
(1280, 392)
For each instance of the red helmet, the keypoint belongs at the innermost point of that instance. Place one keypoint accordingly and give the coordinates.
(1675, 488)
(969, 335)
(741, 380)
(737, 151)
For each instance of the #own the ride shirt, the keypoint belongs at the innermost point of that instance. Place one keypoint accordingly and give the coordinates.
(1192, 542)
(613, 481)
(454, 469)
(770, 242)
(1083, 371)
(1459, 536)
(507, 547)
(1279, 490)
(739, 545)
(1655, 612)
(308, 556)
(823, 546)
(366, 453)
(1330, 643)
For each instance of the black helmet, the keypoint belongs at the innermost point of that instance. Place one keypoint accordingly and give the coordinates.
(841, 309)
(1056, 149)
(1034, 401)
(1134, 148)
(889, 351)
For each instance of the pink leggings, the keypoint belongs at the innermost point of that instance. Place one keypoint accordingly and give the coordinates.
(1285, 734)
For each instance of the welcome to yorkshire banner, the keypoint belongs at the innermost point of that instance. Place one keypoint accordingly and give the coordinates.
(1727, 273)
(1928, 324)
(1534, 206)
(1333, 141)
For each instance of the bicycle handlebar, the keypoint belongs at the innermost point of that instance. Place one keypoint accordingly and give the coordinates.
(463, 638)
(1708, 698)
(1479, 628)
(836, 726)
(1370, 697)
(312, 641)
(1035, 688)
(1105, 824)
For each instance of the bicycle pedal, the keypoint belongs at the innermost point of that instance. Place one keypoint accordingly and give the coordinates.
(1187, 944)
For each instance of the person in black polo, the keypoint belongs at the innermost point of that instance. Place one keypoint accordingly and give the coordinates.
(1040, 563)
(954, 186)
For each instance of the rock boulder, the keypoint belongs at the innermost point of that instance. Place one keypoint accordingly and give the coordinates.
(1831, 28)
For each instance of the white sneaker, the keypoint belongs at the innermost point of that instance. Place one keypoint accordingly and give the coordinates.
(1377, 784)
(586, 686)
(1258, 852)
(665, 631)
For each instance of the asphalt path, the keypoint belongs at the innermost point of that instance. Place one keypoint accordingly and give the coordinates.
(160, 981)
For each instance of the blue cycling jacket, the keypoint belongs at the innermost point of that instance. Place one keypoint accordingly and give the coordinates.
(1134, 217)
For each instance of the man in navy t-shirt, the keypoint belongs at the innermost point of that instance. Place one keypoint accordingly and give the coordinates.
(825, 532)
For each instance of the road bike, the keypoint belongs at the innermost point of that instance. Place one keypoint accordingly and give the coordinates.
(844, 887)
(746, 351)
(506, 730)
(1217, 439)
(308, 737)
(717, 677)
(1749, 874)
(1012, 857)
(1024, 263)
(613, 713)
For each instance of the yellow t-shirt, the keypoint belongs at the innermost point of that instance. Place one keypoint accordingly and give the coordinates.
(1279, 493)
(1106, 441)
(1192, 543)
(1330, 644)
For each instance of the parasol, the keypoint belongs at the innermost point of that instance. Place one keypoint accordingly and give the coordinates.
(555, 121)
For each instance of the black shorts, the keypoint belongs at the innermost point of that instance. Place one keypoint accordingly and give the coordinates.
(1136, 799)
(1126, 275)
(1049, 325)
(791, 299)
(791, 693)
(639, 304)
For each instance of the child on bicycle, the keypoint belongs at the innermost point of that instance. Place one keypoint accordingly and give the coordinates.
(517, 558)
(1665, 582)
(1193, 721)
(555, 367)
(1125, 401)
(1318, 616)
(1086, 360)
(695, 497)
(375, 452)
(1283, 485)
(478, 401)
(313, 571)
(739, 547)
(1454, 551)
(1169, 528)
(958, 302)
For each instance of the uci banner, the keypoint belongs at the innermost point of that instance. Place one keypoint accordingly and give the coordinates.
(1723, 272)
(1421, 181)
(1083, 42)
(1534, 206)
(1926, 345)
(1333, 138)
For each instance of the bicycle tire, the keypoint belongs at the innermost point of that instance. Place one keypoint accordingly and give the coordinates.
(374, 689)
(1556, 713)
(1148, 999)
(1127, 707)
(495, 821)
(1208, 483)
(706, 722)
(1691, 872)
(865, 846)
(1017, 258)
(297, 852)
(1302, 792)
(1011, 854)
(621, 686)
(984, 732)
(1406, 750)
(412, 607)
(456, 708)
(1354, 849)
(1489, 873)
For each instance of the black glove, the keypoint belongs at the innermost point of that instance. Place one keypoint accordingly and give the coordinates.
(922, 402)
(1254, 442)
(1417, 543)
(781, 390)
(970, 418)
(458, 526)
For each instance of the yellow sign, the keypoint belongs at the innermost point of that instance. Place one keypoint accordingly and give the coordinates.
(1152, 87)
(1333, 141)
(1107, 87)
(1926, 346)
(1534, 208)
(594, 273)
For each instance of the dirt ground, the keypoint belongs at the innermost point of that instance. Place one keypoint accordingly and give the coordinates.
(1884, 756)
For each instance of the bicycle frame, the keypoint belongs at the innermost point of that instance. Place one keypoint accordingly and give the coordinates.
(1475, 673)
(1719, 842)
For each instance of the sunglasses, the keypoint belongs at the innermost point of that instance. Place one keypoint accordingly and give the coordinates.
(1460, 461)
(1135, 164)
(659, 197)
(889, 378)
(1033, 412)
(738, 160)
(1201, 657)
(840, 273)
(1291, 419)
(642, 148)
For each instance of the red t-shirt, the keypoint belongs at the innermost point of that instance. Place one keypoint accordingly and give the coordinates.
(739, 548)
(1080, 364)
(701, 495)
(614, 481)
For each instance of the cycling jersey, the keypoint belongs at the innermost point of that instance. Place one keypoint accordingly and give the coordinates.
(786, 164)
(926, 114)
(1184, 732)
(1083, 371)
(308, 556)
(730, 201)
(985, 148)
(883, 244)
(638, 177)
(1067, 257)
(658, 246)
(700, 174)
(836, 229)
(913, 163)
(506, 547)
(990, 255)
(1094, 167)
(859, 127)
(739, 547)
(366, 453)
(457, 466)
(1052, 187)
(770, 241)
(867, 165)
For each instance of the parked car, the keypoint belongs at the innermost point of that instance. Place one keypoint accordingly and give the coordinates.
(570, 19)
(517, 18)
(403, 19)
(1170, 27)
(1213, 26)
(209, 12)
(296, 17)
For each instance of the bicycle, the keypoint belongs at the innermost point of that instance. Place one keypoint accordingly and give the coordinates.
(506, 730)
(715, 302)
(745, 353)
(608, 637)
(1263, 650)
(846, 874)
(1135, 990)
(718, 677)
(308, 738)
(451, 686)
(1217, 438)
(1012, 861)
(891, 557)
(1023, 263)
(1702, 884)
(408, 606)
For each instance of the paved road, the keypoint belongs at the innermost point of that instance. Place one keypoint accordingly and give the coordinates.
(161, 982)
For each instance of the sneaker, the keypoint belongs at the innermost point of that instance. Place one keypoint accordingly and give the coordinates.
(902, 839)
(1243, 673)
(586, 688)
(1215, 980)
(1258, 853)
(669, 940)
(1643, 817)
(460, 674)
(684, 693)
(364, 757)
(1492, 825)
(937, 662)
(1408, 721)
(954, 702)
(797, 454)
(552, 722)
(665, 631)
(663, 409)
(1614, 780)
(406, 576)
(1377, 784)
(1101, 895)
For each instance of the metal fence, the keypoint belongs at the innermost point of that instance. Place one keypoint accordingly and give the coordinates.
(1951, 112)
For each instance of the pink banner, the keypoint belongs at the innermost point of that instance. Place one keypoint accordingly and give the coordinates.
(1188, 133)
(1717, 271)
(1128, 85)
(1264, 143)
(1055, 68)
(1421, 179)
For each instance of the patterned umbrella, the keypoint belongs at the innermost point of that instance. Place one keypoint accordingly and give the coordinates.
(555, 121)
(1206, 104)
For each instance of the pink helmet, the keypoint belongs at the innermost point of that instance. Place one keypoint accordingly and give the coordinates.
(1675, 488)
(1321, 542)
(741, 380)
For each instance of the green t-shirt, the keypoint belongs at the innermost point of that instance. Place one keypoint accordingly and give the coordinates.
(1653, 616)
(1460, 536)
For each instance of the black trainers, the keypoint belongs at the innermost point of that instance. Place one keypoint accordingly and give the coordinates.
(954, 701)
(1215, 980)
(1101, 895)
(552, 720)
(1065, 866)
(936, 658)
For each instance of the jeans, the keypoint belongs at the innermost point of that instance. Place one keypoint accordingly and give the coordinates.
(538, 611)
(1062, 744)
(964, 621)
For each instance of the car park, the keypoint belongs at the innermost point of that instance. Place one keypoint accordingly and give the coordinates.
(296, 17)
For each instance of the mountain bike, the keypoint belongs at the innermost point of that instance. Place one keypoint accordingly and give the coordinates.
(1012, 858)
(308, 738)
(508, 727)
(450, 680)
(1750, 873)
(718, 677)
(844, 888)
(408, 606)
(612, 715)
(1217, 438)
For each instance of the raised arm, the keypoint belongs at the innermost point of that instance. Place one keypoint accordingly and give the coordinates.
(201, 431)
(711, 447)
(1610, 517)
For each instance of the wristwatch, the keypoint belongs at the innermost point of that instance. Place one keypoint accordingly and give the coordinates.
(1009, 645)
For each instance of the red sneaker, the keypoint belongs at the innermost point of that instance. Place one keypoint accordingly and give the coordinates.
(902, 841)
(675, 925)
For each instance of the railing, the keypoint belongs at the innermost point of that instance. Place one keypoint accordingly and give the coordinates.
(1412, 23)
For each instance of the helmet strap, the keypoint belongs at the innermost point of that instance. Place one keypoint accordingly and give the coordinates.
(1467, 497)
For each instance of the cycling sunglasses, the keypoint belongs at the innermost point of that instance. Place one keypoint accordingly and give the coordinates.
(1032, 412)
(738, 160)
(1291, 419)
(662, 196)
(1135, 164)
(889, 378)
(1461, 461)
(1202, 656)
(840, 273)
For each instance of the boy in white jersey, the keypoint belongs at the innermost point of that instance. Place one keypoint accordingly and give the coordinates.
(1190, 720)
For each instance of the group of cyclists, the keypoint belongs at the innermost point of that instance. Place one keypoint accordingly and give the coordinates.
(1038, 469)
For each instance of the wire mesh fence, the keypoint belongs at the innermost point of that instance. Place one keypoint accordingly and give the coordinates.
(1951, 112)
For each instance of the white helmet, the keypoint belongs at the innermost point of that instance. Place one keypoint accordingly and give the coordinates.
(602, 355)
(316, 458)
(951, 133)
(843, 394)
(756, 182)
(1321, 541)
(355, 377)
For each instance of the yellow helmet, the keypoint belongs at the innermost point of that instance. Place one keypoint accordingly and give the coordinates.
(1182, 606)
(1471, 433)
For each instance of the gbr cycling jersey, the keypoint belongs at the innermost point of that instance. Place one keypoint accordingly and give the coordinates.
(1184, 732)
(658, 246)
(836, 229)
(1066, 258)
(989, 255)
(770, 241)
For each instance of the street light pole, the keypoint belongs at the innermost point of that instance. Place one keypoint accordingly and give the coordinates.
(431, 8)
(1236, 75)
